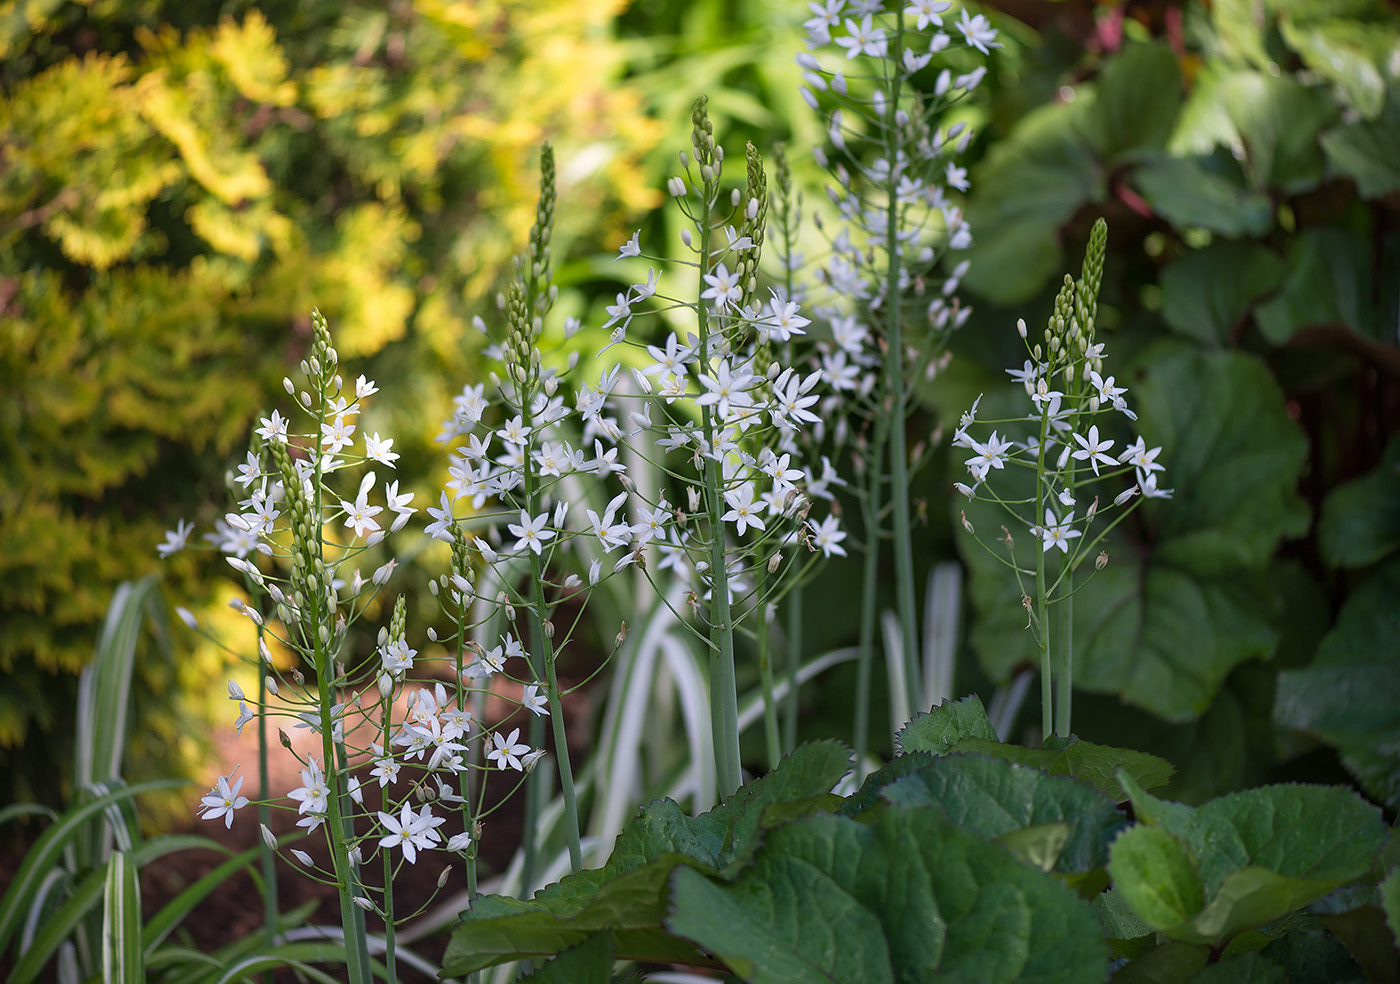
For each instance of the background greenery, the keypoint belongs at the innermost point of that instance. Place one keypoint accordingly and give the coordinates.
(183, 182)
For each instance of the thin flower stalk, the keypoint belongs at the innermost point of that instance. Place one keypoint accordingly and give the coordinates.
(1069, 450)
(893, 172)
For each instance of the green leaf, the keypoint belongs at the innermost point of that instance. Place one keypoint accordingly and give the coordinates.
(1189, 195)
(1266, 852)
(1156, 875)
(944, 726)
(1139, 95)
(816, 932)
(1390, 902)
(83, 897)
(1360, 521)
(1171, 963)
(627, 895)
(1030, 184)
(590, 962)
(104, 688)
(122, 955)
(1328, 284)
(1244, 968)
(1368, 939)
(46, 851)
(1368, 153)
(1209, 291)
(1350, 695)
(903, 895)
(1041, 846)
(869, 793)
(1094, 764)
(1120, 923)
(1277, 119)
(1347, 50)
(1235, 459)
(995, 798)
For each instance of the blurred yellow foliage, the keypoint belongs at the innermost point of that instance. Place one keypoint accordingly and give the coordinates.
(173, 200)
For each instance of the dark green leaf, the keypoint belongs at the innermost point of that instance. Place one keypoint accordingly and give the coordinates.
(869, 793)
(1096, 765)
(1120, 923)
(1030, 184)
(1361, 519)
(590, 962)
(1139, 95)
(1368, 939)
(1188, 195)
(1156, 875)
(1207, 292)
(944, 726)
(1328, 284)
(815, 932)
(1171, 963)
(1390, 902)
(1350, 696)
(904, 895)
(1368, 153)
(1245, 968)
(627, 894)
(995, 797)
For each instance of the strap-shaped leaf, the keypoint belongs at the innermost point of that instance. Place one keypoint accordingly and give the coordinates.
(47, 850)
(122, 958)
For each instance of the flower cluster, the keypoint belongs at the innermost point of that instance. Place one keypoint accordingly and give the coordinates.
(299, 541)
(1066, 443)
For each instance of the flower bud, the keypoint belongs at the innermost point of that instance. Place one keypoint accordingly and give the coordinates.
(267, 837)
(676, 187)
(271, 684)
(366, 904)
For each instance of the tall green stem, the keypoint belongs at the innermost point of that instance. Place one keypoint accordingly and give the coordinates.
(894, 379)
(541, 637)
(869, 595)
(271, 913)
(724, 697)
(765, 673)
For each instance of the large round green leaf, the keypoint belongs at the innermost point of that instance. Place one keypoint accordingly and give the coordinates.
(904, 895)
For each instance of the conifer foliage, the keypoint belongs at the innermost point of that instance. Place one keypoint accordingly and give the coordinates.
(173, 181)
